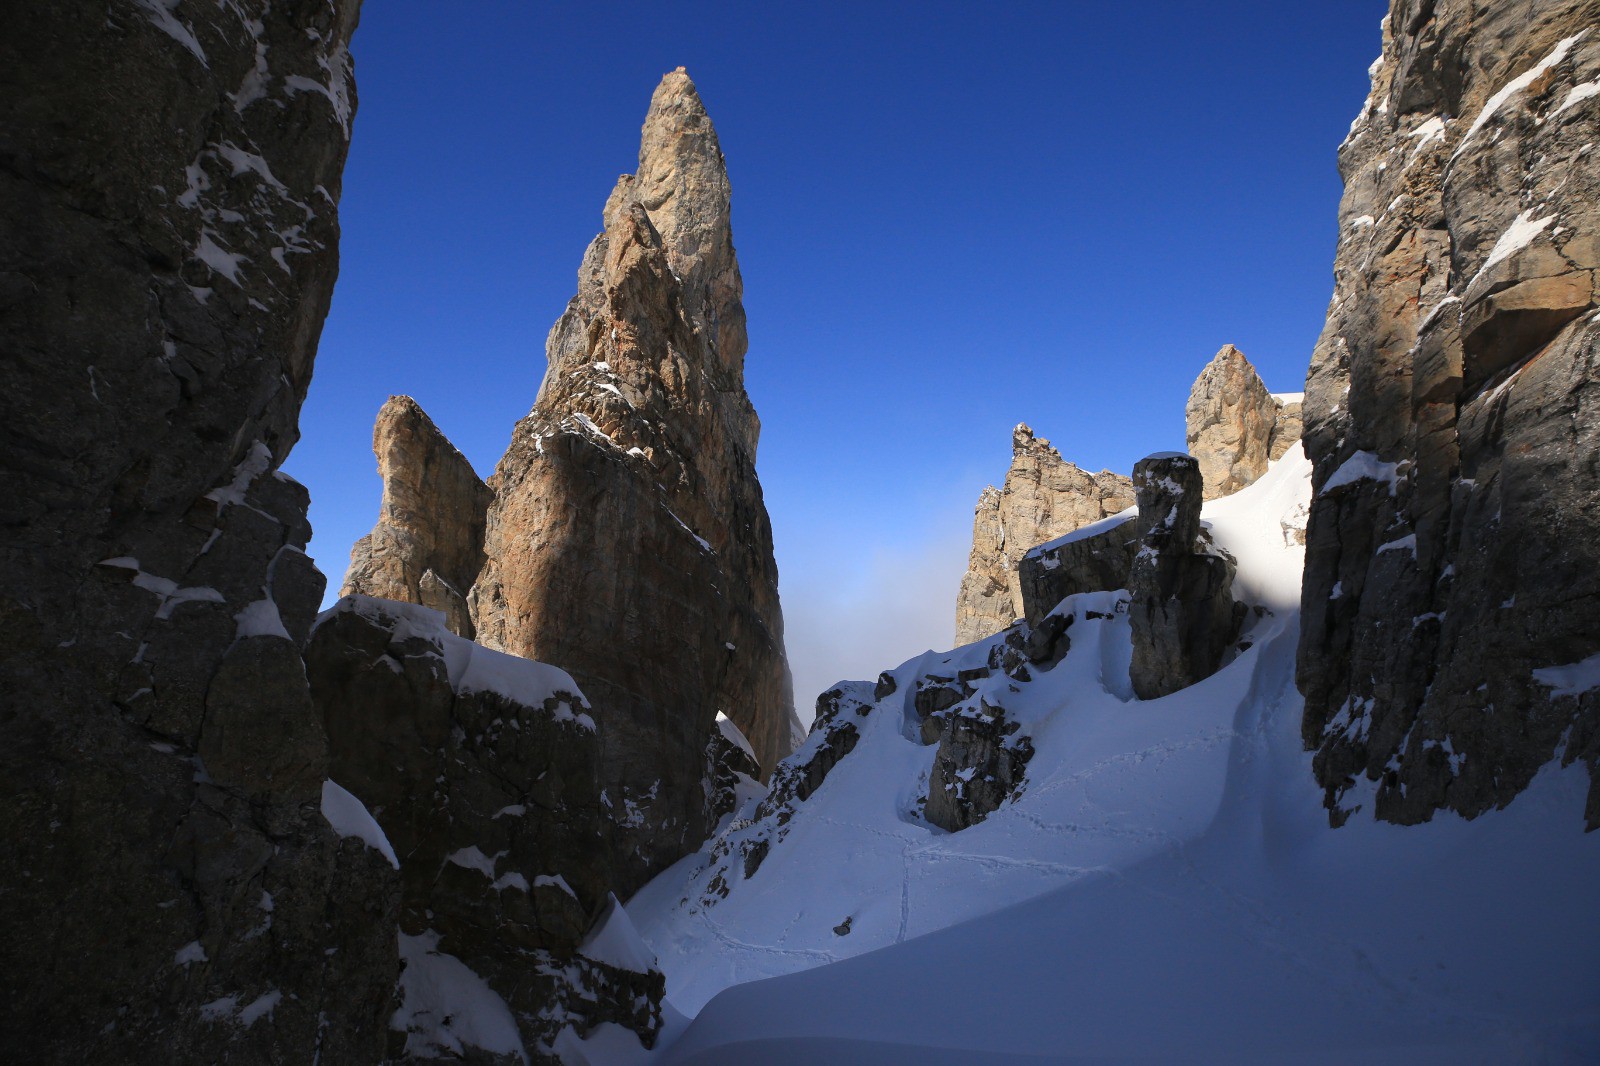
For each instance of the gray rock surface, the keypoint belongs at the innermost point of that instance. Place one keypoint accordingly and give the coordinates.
(627, 541)
(427, 546)
(169, 178)
(979, 765)
(483, 771)
(1181, 610)
(1450, 414)
(1043, 497)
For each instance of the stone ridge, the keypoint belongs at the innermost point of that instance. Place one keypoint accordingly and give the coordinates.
(1043, 497)
(1450, 639)
(627, 541)
(427, 546)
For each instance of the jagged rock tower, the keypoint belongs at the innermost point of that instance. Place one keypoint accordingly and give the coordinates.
(1234, 426)
(427, 547)
(1450, 641)
(627, 541)
(1043, 497)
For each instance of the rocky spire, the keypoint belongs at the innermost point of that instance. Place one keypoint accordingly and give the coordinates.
(1044, 497)
(628, 542)
(427, 547)
(1235, 426)
(1450, 637)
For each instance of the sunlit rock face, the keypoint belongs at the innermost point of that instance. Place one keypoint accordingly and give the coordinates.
(427, 546)
(1043, 497)
(627, 541)
(1451, 617)
(1234, 425)
(172, 891)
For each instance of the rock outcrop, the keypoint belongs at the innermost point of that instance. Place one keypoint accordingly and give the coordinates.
(979, 765)
(627, 541)
(173, 892)
(1043, 497)
(1451, 613)
(427, 547)
(1181, 610)
(483, 770)
(1235, 426)
(1096, 558)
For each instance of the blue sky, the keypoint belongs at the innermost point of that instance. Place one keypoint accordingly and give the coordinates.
(950, 218)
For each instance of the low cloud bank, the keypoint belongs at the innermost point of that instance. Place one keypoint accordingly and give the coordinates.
(852, 620)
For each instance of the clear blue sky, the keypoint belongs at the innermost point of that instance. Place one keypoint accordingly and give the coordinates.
(950, 218)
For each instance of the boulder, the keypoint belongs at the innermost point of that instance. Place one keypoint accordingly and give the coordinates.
(483, 772)
(1096, 558)
(979, 765)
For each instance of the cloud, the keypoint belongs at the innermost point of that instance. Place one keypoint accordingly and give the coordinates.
(850, 620)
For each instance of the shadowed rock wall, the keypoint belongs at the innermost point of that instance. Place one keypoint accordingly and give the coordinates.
(169, 176)
(1450, 642)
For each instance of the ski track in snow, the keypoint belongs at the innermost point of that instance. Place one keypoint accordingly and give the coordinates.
(1164, 881)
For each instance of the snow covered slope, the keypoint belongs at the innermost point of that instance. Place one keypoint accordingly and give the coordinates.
(1164, 887)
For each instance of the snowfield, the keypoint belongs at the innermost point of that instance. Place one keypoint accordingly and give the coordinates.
(1165, 888)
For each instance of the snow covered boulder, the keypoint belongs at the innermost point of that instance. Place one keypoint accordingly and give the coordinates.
(482, 770)
(1096, 558)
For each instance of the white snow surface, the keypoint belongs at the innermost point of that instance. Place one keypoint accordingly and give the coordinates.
(616, 942)
(1166, 887)
(472, 667)
(445, 1007)
(1517, 236)
(1578, 94)
(1085, 532)
(350, 818)
(1572, 680)
(1516, 85)
(1358, 466)
(732, 735)
(260, 618)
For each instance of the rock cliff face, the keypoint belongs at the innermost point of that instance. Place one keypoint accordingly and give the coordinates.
(170, 177)
(1235, 426)
(1044, 497)
(427, 547)
(627, 540)
(1451, 620)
